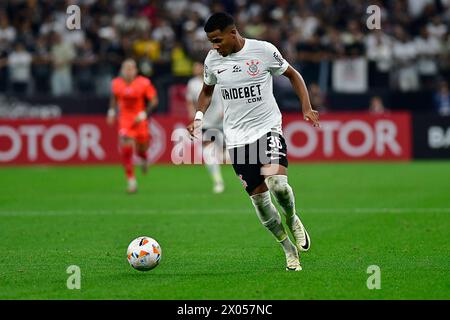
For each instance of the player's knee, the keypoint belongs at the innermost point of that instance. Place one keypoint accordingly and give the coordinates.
(278, 185)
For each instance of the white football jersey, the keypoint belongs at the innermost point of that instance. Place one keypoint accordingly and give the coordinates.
(245, 82)
(214, 115)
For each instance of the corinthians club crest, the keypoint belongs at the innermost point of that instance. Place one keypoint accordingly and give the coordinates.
(253, 69)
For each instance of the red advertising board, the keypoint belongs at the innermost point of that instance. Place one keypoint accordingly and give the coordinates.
(349, 136)
(89, 140)
(65, 140)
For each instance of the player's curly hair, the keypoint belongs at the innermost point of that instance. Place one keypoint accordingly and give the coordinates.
(218, 21)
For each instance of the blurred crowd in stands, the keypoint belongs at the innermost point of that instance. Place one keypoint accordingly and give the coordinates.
(411, 51)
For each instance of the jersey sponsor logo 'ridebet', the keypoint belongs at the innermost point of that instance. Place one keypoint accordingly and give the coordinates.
(251, 93)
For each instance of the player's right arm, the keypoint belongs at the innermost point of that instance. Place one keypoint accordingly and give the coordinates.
(205, 96)
(112, 110)
(113, 104)
(204, 100)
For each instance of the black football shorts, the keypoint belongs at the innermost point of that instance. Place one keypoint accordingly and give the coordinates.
(249, 159)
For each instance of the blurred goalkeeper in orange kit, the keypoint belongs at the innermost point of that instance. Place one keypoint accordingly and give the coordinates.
(133, 98)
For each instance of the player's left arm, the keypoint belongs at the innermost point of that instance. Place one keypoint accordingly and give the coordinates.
(301, 90)
(152, 104)
(151, 98)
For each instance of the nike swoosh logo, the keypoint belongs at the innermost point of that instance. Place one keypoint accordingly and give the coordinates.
(306, 246)
(220, 71)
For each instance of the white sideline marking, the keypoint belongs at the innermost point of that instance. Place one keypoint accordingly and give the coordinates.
(229, 211)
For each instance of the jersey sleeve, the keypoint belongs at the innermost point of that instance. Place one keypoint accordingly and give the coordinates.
(277, 65)
(209, 77)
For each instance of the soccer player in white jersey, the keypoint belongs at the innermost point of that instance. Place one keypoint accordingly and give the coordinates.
(243, 69)
(212, 126)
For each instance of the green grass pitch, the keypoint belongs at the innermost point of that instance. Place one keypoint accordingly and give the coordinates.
(393, 215)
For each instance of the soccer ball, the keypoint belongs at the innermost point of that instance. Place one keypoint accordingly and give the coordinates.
(144, 253)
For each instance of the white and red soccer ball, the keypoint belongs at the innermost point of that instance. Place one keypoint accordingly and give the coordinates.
(144, 253)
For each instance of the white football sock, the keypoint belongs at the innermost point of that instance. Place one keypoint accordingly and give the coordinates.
(270, 218)
(282, 191)
(288, 246)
